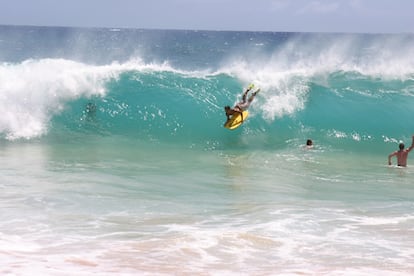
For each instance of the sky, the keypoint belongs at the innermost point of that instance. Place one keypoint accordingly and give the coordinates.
(344, 16)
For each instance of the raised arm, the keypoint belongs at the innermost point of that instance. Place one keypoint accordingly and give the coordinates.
(412, 145)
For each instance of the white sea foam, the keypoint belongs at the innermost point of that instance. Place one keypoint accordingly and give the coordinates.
(33, 91)
(287, 75)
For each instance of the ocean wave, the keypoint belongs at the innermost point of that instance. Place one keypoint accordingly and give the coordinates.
(311, 85)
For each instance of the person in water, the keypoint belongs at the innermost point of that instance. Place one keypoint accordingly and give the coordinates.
(242, 105)
(90, 112)
(401, 154)
(309, 144)
(90, 109)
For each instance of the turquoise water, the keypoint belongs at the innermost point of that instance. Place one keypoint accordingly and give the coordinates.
(114, 159)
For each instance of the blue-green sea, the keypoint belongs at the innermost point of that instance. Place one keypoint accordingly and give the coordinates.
(114, 159)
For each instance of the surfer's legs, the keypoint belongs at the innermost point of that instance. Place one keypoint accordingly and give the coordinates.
(253, 95)
(244, 105)
(246, 92)
(245, 96)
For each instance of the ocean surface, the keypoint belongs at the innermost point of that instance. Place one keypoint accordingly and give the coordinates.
(114, 159)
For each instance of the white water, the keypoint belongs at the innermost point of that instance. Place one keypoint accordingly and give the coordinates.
(96, 208)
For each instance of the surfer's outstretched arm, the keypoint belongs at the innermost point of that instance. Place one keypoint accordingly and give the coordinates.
(228, 111)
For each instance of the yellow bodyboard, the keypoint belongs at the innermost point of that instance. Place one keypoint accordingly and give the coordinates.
(236, 120)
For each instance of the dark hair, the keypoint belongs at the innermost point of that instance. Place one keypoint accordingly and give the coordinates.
(309, 142)
(401, 145)
(227, 107)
